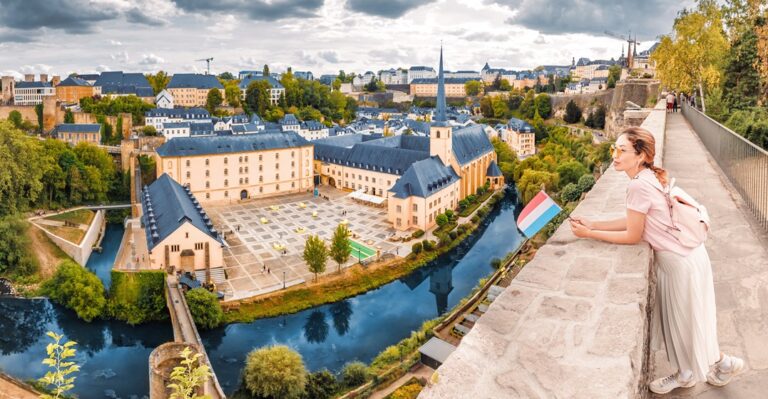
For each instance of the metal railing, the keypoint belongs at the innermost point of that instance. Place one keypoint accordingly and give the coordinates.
(744, 163)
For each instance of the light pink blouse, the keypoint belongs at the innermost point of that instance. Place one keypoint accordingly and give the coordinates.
(644, 198)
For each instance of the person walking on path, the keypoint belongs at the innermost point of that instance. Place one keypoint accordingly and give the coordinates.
(684, 320)
(674, 104)
(670, 101)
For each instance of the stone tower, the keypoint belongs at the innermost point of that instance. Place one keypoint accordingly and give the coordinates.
(440, 141)
(7, 89)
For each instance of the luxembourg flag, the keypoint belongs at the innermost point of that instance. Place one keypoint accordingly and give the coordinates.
(537, 213)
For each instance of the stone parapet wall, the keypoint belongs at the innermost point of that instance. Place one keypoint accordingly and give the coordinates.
(80, 253)
(573, 324)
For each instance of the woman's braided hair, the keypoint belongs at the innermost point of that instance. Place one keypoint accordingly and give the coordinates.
(645, 144)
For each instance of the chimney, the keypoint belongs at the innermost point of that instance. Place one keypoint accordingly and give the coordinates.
(55, 80)
(29, 77)
(43, 77)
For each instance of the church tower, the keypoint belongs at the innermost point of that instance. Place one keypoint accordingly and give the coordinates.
(440, 141)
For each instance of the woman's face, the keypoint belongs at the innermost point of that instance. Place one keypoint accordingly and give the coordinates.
(624, 156)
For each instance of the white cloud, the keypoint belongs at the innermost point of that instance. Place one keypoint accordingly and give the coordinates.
(115, 43)
(103, 68)
(121, 57)
(150, 59)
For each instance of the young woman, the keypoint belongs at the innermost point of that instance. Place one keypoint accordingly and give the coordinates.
(684, 318)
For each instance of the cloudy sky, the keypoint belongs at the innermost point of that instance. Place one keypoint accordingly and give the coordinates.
(64, 36)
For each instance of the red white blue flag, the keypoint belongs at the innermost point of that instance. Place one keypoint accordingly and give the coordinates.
(537, 214)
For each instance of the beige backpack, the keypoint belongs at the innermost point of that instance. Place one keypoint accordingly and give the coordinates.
(690, 220)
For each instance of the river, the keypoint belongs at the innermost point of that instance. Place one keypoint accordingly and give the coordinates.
(114, 355)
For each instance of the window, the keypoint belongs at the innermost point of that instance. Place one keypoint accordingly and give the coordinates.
(260, 168)
(246, 158)
(415, 207)
(293, 184)
(399, 209)
(293, 163)
(207, 173)
(187, 162)
(246, 180)
(292, 154)
(226, 193)
(207, 184)
(399, 222)
(293, 174)
(347, 175)
(225, 160)
(261, 189)
(261, 178)
(226, 171)
(430, 217)
(373, 179)
(187, 174)
(277, 155)
(246, 169)
(259, 157)
(207, 195)
(174, 248)
(198, 246)
(207, 162)
(226, 183)
(277, 166)
(239, 159)
(186, 235)
(366, 178)
(240, 170)
(277, 187)
(415, 220)
(277, 176)
(241, 180)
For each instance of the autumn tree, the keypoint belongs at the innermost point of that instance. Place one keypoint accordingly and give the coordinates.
(340, 248)
(315, 254)
(214, 100)
(158, 81)
(473, 87)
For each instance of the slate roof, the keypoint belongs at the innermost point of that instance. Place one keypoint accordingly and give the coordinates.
(288, 119)
(447, 80)
(424, 178)
(379, 154)
(74, 81)
(186, 146)
(200, 129)
(312, 125)
(176, 125)
(89, 76)
(519, 125)
(251, 78)
(185, 113)
(78, 128)
(32, 85)
(195, 81)
(243, 128)
(117, 82)
(421, 68)
(493, 170)
(469, 143)
(171, 206)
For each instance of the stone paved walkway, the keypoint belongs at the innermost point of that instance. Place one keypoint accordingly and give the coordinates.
(739, 253)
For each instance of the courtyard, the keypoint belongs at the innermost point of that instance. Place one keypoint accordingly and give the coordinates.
(266, 238)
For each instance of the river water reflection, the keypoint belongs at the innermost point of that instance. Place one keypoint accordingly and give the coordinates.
(114, 355)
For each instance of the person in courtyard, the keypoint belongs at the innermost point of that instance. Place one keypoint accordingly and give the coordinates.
(670, 101)
(674, 104)
(685, 316)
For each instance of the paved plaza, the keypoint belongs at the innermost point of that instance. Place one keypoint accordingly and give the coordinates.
(266, 250)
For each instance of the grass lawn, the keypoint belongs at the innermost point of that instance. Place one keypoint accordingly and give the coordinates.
(80, 216)
(70, 234)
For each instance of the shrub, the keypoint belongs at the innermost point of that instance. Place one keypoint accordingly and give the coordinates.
(409, 391)
(320, 385)
(586, 182)
(449, 213)
(74, 287)
(275, 372)
(482, 212)
(441, 220)
(416, 248)
(496, 263)
(15, 258)
(354, 374)
(570, 193)
(463, 204)
(418, 233)
(453, 234)
(475, 219)
(205, 308)
(137, 297)
(428, 245)
(572, 112)
(471, 198)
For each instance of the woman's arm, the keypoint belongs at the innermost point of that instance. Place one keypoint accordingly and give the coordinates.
(619, 224)
(635, 225)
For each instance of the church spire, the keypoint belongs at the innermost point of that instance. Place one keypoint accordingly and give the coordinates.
(440, 110)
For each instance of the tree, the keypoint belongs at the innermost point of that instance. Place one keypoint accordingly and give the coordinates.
(354, 374)
(340, 248)
(372, 86)
(691, 57)
(504, 85)
(741, 81)
(39, 113)
(22, 166)
(78, 289)
(158, 81)
(257, 97)
(232, 93)
(586, 182)
(58, 380)
(226, 76)
(473, 87)
(572, 112)
(275, 372)
(614, 74)
(214, 100)
(336, 84)
(149, 130)
(543, 104)
(15, 258)
(265, 71)
(539, 128)
(320, 385)
(205, 308)
(15, 118)
(441, 220)
(315, 254)
(531, 181)
(596, 119)
(570, 172)
(486, 107)
(527, 107)
(189, 376)
(68, 117)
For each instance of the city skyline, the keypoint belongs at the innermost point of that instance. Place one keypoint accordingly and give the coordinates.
(67, 36)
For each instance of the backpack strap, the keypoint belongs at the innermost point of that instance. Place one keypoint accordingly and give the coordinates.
(665, 191)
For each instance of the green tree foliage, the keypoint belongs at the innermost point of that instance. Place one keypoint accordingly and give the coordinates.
(320, 385)
(118, 132)
(741, 83)
(340, 249)
(257, 97)
(751, 123)
(533, 181)
(15, 256)
(158, 81)
(539, 127)
(505, 158)
(543, 104)
(59, 380)
(570, 193)
(570, 172)
(205, 308)
(15, 118)
(76, 288)
(148, 167)
(473, 87)
(504, 85)
(586, 182)
(39, 113)
(137, 297)
(441, 220)
(23, 165)
(189, 376)
(275, 372)
(115, 106)
(572, 113)
(149, 130)
(527, 106)
(213, 100)
(596, 119)
(691, 57)
(265, 71)
(354, 374)
(232, 93)
(416, 248)
(226, 76)
(614, 74)
(69, 117)
(315, 254)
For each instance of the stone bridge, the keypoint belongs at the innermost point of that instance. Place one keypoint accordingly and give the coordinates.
(575, 322)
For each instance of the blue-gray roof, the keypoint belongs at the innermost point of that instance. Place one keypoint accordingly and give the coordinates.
(195, 81)
(447, 80)
(386, 155)
(251, 78)
(175, 125)
(74, 81)
(424, 178)
(469, 143)
(185, 113)
(78, 128)
(32, 85)
(242, 128)
(421, 68)
(117, 82)
(167, 206)
(186, 146)
(288, 119)
(312, 125)
(520, 126)
(200, 129)
(493, 170)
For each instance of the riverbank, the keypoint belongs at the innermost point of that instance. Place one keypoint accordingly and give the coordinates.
(353, 281)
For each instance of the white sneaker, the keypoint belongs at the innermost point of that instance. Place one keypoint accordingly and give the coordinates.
(720, 376)
(670, 382)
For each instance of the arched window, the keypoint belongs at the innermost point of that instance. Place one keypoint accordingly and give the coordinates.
(226, 183)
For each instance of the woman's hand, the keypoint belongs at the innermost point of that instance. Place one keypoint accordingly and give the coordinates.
(583, 221)
(579, 229)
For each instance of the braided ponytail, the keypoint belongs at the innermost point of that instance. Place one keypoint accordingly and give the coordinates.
(644, 143)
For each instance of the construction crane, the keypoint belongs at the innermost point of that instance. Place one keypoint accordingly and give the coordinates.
(631, 46)
(207, 63)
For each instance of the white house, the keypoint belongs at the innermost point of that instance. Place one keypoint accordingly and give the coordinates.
(32, 93)
(421, 72)
(159, 116)
(164, 99)
(313, 130)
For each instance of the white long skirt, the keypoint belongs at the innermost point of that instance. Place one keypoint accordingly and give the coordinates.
(685, 317)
